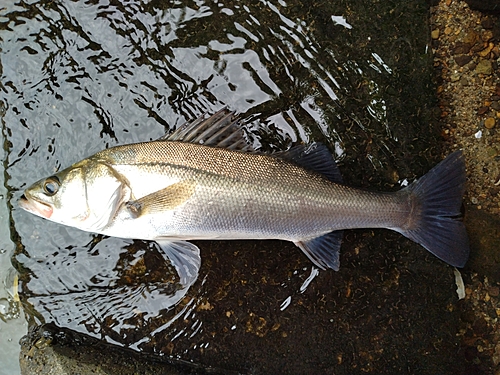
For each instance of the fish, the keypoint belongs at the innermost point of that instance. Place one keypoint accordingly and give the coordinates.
(207, 181)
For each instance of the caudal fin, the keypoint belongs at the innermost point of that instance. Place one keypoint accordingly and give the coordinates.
(438, 198)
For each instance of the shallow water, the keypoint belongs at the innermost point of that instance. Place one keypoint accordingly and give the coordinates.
(12, 323)
(81, 76)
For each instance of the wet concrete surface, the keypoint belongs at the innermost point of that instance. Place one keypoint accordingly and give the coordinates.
(50, 350)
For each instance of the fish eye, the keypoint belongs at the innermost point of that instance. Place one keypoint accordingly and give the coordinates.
(51, 185)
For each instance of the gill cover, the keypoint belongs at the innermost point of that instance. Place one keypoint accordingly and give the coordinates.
(105, 190)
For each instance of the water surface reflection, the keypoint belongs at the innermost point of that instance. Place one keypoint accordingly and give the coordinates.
(80, 76)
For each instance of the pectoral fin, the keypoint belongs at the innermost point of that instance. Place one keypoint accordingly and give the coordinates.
(185, 257)
(162, 200)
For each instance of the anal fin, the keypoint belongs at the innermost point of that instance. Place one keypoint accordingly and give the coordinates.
(323, 251)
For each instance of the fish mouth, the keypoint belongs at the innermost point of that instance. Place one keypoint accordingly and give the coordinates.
(33, 205)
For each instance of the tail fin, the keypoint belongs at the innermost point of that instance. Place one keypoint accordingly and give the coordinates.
(438, 197)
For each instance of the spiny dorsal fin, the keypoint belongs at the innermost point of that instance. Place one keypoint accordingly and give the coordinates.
(314, 157)
(222, 129)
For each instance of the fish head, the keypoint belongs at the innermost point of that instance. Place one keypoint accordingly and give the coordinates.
(85, 195)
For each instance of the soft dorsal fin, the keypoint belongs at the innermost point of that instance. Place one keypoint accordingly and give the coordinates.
(314, 157)
(222, 129)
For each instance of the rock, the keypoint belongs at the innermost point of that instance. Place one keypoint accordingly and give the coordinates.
(484, 67)
(489, 123)
(487, 22)
(487, 50)
(461, 48)
(471, 37)
(462, 60)
(482, 110)
(479, 46)
(486, 35)
(495, 53)
(494, 291)
(435, 34)
(496, 355)
(491, 152)
(454, 77)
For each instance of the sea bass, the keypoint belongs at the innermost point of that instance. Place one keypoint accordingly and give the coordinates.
(204, 182)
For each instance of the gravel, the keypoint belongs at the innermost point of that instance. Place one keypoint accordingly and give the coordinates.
(466, 57)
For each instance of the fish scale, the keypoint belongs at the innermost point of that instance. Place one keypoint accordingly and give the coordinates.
(296, 202)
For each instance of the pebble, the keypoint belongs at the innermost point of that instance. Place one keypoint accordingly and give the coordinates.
(494, 291)
(496, 355)
(475, 56)
(482, 110)
(484, 67)
(485, 52)
(487, 35)
(435, 34)
(454, 77)
(462, 60)
(477, 47)
(471, 37)
(488, 23)
(461, 48)
(489, 123)
(491, 152)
